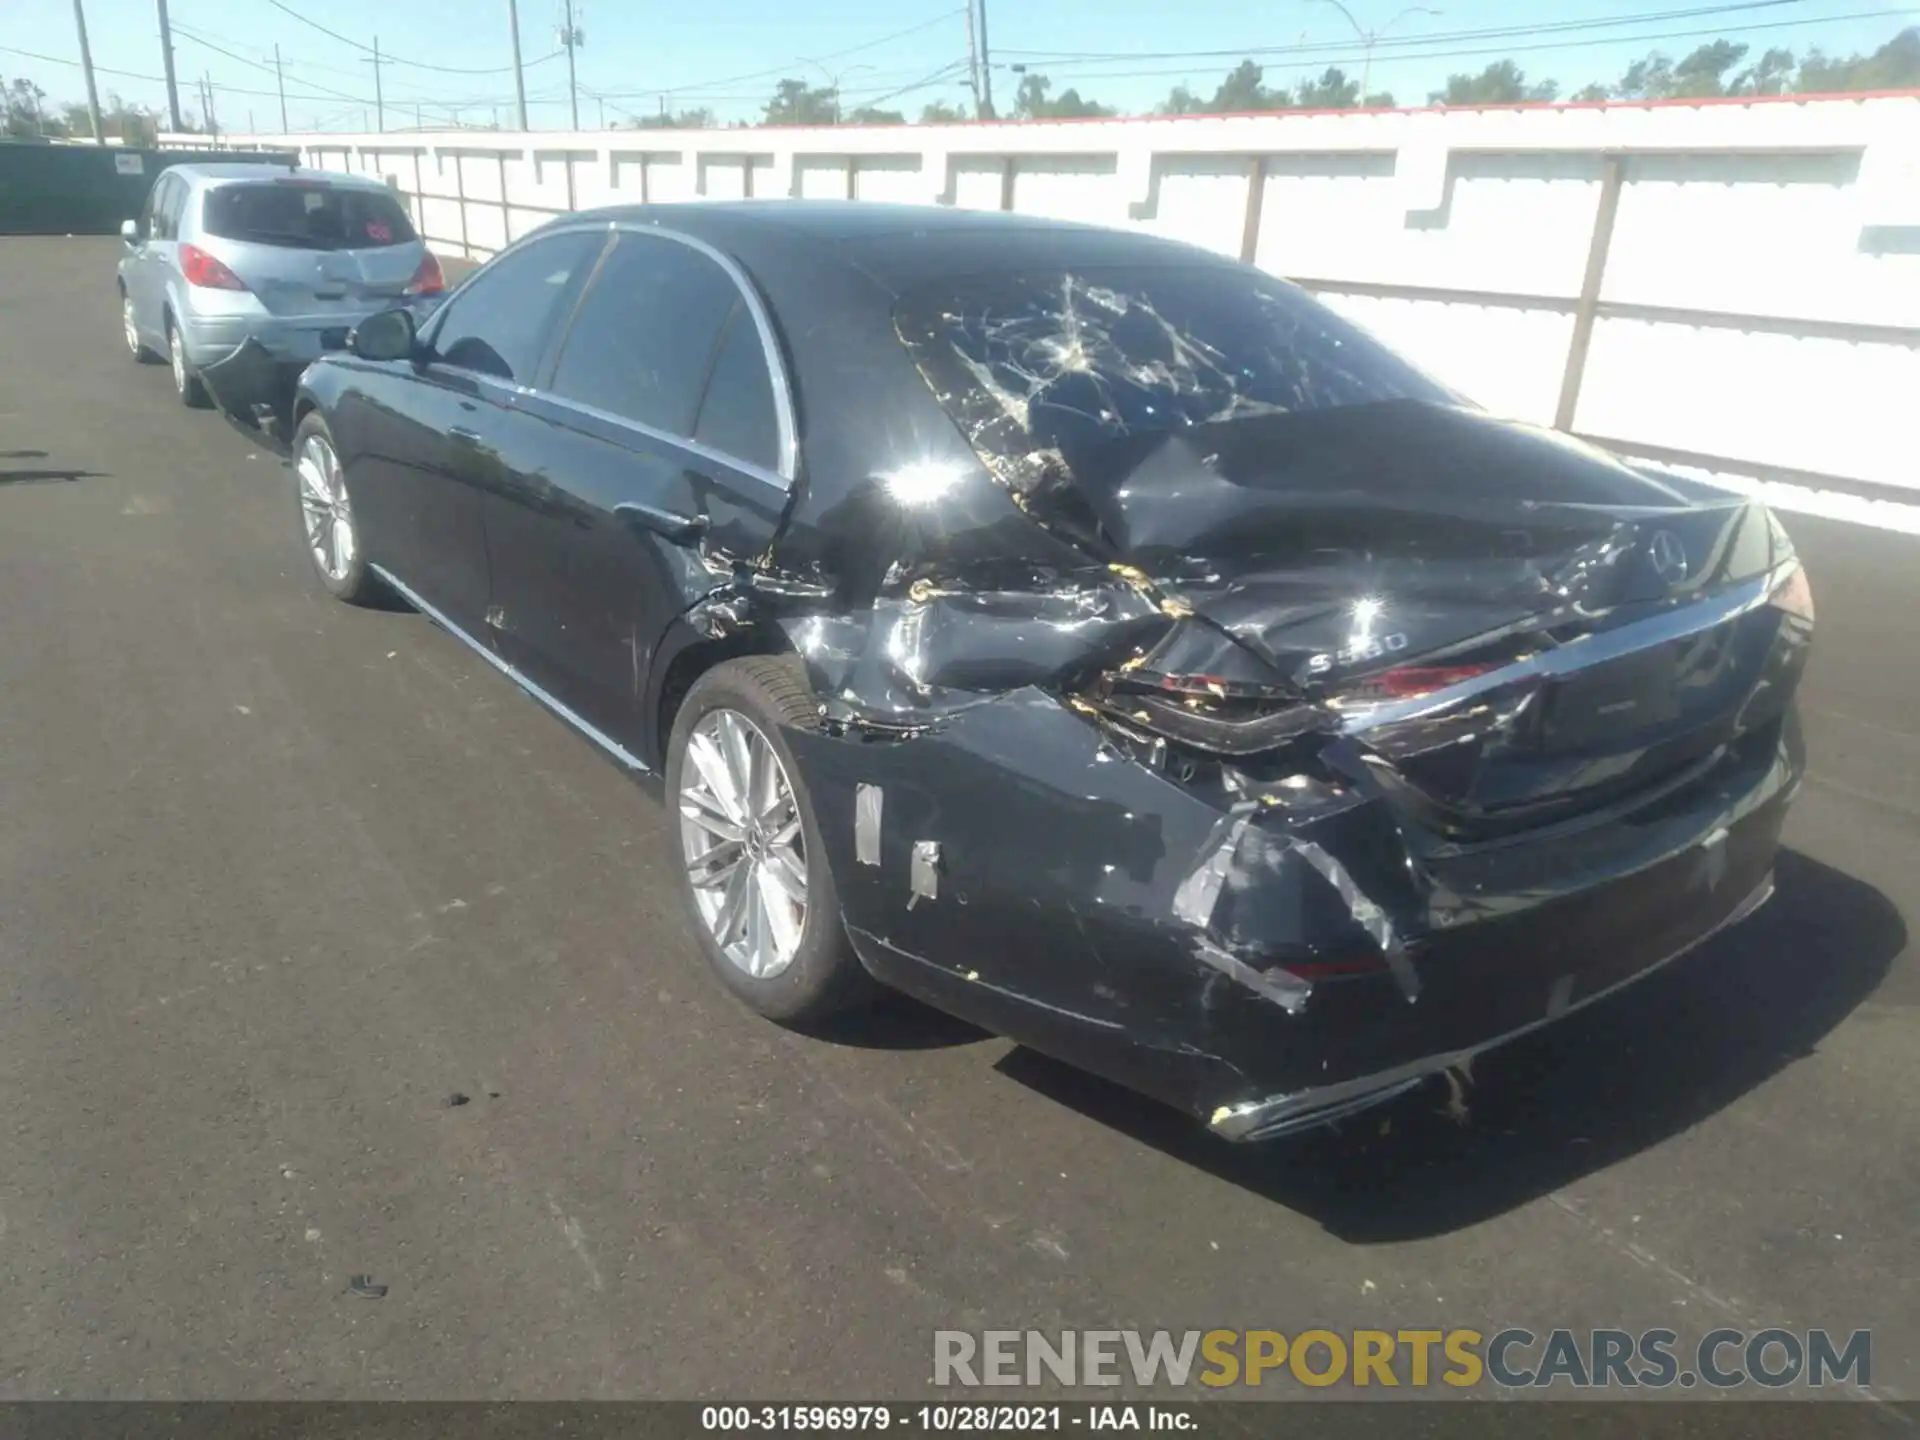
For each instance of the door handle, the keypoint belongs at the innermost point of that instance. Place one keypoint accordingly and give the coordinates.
(462, 433)
(680, 529)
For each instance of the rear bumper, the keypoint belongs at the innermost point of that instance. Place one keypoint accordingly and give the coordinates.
(250, 376)
(298, 342)
(1092, 908)
(1284, 1114)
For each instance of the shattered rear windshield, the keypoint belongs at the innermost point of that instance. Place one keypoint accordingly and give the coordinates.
(305, 216)
(1033, 363)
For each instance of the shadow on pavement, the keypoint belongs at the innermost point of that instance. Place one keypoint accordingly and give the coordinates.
(47, 477)
(898, 1022)
(1569, 1099)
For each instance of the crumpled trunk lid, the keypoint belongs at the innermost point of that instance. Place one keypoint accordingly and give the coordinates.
(1509, 625)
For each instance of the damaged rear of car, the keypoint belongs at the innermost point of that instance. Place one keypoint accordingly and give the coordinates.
(1240, 715)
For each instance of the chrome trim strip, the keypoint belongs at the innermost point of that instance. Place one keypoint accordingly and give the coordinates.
(599, 737)
(1265, 1119)
(1676, 624)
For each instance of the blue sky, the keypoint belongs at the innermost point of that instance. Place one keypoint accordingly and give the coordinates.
(727, 54)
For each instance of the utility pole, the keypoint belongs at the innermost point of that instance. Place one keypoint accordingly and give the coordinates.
(519, 76)
(281, 76)
(570, 37)
(379, 102)
(86, 64)
(166, 61)
(973, 59)
(986, 68)
(206, 89)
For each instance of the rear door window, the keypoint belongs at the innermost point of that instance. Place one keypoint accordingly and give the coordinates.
(500, 322)
(738, 417)
(305, 215)
(644, 340)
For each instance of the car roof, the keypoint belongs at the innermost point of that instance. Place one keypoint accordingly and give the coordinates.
(898, 247)
(261, 170)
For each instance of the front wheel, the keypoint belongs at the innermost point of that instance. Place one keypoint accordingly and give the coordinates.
(752, 865)
(326, 514)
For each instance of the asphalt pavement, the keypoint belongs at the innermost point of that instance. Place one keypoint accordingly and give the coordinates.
(325, 953)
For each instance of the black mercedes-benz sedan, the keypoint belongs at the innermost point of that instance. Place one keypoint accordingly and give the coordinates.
(1098, 639)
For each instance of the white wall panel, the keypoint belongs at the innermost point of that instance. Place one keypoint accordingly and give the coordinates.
(1802, 213)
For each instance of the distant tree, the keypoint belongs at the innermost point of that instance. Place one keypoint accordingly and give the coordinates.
(795, 102)
(1894, 66)
(1181, 101)
(132, 124)
(1594, 92)
(1332, 91)
(1501, 83)
(1378, 100)
(1243, 93)
(1703, 74)
(941, 113)
(1771, 74)
(26, 111)
(1031, 102)
(1647, 79)
(868, 115)
(701, 119)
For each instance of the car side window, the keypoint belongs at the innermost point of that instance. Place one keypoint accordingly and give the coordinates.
(500, 324)
(175, 207)
(643, 341)
(737, 417)
(159, 224)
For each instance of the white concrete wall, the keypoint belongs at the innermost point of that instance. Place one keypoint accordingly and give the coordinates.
(1790, 213)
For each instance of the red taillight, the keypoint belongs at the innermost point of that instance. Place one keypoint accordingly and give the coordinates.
(1409, 682)
(427, 280)
(203, 270)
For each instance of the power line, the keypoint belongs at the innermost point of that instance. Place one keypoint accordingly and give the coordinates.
(389, 59)
(151, 79)
(786, 68)
(1503, 50)
(1428, 38)
(186, 33)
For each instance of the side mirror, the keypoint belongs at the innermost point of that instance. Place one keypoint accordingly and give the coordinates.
(390, 335)
(130, 232)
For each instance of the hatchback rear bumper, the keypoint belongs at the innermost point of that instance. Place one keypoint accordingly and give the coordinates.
(251, 376)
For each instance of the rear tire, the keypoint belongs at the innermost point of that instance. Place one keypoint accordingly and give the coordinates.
(186, 384)
(136, 347)
(802, 978)
(328, 528)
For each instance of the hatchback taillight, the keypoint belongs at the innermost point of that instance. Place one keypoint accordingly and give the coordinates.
(203, 270)
(427, 280)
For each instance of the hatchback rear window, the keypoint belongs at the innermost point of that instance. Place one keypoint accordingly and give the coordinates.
(306, 216)
(1030, 362)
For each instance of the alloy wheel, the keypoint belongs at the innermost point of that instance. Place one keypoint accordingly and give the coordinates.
(177, 357)
(131, 330)
(745, 848)
(326, 508)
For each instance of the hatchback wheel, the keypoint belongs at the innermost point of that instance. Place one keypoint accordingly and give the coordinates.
(753, 869)
(136, 347)
(186, 384)
(326, 514)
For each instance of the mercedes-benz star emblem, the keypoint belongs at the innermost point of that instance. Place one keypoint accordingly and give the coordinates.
(1667, 556)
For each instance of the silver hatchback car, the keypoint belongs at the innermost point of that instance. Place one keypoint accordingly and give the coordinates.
(243, 274)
